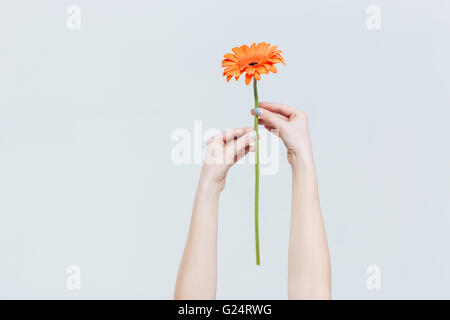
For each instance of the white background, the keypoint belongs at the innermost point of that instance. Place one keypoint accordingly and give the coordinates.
(86, 116)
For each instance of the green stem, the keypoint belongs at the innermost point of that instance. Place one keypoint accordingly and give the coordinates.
(255, 92)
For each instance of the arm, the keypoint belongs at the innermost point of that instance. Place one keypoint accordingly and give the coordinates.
(197, 274)
(309, 275)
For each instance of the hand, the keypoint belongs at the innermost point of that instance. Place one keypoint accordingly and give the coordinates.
(222, 151)
(291, 125)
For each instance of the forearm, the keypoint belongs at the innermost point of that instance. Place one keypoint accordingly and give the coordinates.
(309, 275)
(197, 275)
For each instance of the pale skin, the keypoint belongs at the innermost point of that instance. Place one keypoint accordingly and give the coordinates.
(309, 274)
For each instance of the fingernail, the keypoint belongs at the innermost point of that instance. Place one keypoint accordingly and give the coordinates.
(252, 135)
(258, 111)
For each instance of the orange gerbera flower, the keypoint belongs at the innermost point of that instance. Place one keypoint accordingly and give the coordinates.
(253, 61)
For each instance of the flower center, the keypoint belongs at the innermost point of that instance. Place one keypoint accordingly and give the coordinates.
(253, 64)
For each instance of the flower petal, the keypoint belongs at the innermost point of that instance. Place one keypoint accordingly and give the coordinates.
(228, 63)
(238, 52)
(231, 57)
(262, 69)
(248, 78)
(251, 70)
(275, 60)
(246, 49)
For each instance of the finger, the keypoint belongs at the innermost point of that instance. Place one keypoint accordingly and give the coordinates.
(273, 130)
(269, 127)
(231, 134)
(277, 114)
(243, 154)
(271, 119)
(283, 109)
(263, 123)
(236, 148)
(216, 139)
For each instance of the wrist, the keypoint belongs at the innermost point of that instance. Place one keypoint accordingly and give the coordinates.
(300, 160)
(210, 184)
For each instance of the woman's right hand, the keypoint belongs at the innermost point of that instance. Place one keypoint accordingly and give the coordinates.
(291, 125)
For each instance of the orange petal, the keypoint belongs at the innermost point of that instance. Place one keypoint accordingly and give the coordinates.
(238, 52)
(228, 63)
(273, 68)
(227, 69)
(267, 67)
(231, 57)
(279, 56)
(250, 70)
(245, 48)
(257, 76)
(260, 45)
(275, 60)
(248, 78)
(262, 69)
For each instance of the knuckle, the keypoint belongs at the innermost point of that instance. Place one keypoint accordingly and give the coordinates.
(213, 140)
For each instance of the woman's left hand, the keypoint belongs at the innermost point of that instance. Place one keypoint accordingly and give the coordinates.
(222, 151)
